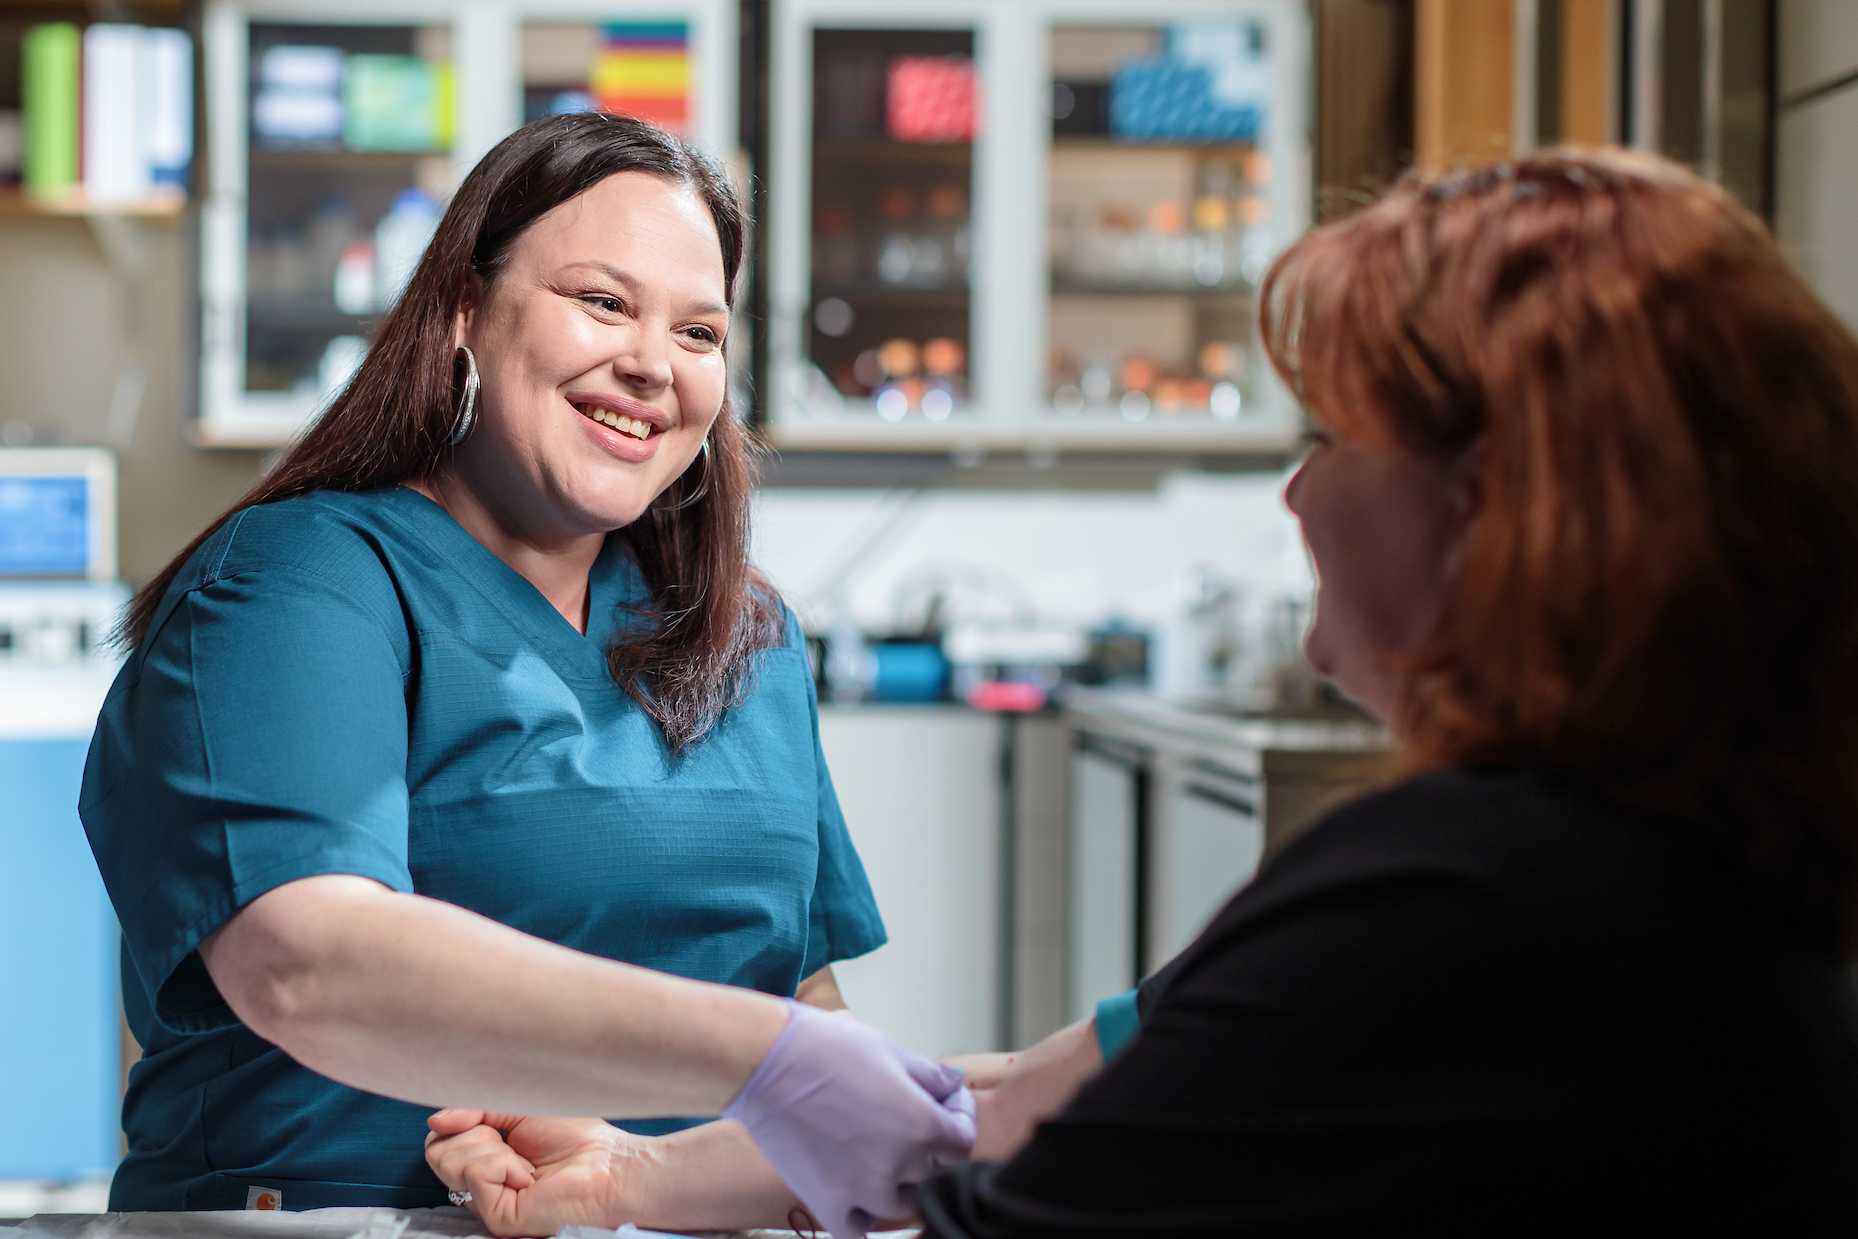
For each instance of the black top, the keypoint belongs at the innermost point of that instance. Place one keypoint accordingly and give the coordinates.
(1466, 1003)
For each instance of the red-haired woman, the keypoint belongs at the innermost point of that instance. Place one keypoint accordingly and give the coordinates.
(1583, 504)
(467, 762)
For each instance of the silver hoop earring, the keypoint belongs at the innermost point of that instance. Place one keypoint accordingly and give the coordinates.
(702, 490)
(466, 420)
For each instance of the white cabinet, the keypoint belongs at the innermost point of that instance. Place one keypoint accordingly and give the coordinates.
(325, 115)
(921, 787)
(1031, 223)
(1107, 789)
(1156, 847)
(1206, 844)
(1173, 809)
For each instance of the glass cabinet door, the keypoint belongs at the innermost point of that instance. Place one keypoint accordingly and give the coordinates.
(1162, 220)
(891, 178)
(350, 129)
(875, 129)
(1031, 225)
(337, 130)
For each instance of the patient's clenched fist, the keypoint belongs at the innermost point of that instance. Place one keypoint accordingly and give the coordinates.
(532, 1176)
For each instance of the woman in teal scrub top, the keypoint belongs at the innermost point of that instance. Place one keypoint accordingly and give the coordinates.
(441, 757)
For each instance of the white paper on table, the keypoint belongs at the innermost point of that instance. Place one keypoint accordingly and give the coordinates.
(349, 1223)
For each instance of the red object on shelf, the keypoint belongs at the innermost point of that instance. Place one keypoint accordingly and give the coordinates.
(931, 99)
(1007, 696)
(671, 114)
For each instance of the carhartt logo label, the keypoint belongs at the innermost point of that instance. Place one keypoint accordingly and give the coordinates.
(263, 1198)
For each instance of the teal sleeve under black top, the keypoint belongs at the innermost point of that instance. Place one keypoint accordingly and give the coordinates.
(1473, 1004)
(1118, 1019)
(352, 684)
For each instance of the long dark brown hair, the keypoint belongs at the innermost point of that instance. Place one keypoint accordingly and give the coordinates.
(1658, 593)
(684, 658)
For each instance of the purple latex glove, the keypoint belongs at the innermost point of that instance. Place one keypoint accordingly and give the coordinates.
(852, 1120)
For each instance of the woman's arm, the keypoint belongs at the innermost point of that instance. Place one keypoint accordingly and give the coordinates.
(420, 1000)
(423, 1001)
(822, 990)
(534, 1176)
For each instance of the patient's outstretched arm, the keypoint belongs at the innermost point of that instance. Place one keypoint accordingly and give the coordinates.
(532, 1176)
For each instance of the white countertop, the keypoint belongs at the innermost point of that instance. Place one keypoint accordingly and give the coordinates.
(1247, 741)
(445, 1223)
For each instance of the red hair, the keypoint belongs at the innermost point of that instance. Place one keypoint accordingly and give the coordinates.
(1658, 594)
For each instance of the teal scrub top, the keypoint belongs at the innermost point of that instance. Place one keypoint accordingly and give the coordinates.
(352, 684)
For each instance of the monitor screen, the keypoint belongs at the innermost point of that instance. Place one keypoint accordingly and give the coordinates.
(44, 526)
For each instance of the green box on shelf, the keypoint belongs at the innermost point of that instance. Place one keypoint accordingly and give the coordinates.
(49, 60)
(396, 103)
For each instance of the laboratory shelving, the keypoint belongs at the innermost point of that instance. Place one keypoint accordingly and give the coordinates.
(1074, 269)
(381, 106)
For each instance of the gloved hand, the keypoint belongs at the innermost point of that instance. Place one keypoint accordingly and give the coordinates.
(852, 1120)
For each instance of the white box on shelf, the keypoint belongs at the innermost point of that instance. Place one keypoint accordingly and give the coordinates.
(114, 167)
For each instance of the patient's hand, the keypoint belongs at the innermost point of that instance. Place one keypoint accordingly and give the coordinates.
(544, 1173)
(1014, 1093)
(532, 1176)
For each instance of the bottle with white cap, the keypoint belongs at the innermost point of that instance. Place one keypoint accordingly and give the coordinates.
(399, 240)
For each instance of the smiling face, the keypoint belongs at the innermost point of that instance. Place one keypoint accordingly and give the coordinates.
(1382, 526)
(599, 345)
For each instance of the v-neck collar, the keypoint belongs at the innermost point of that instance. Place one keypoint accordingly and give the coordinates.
(613, 579)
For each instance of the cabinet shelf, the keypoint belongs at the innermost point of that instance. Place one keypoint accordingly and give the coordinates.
(1104, 143)
(857, 430)
(307, 314)
(334, 159)
(883, 294)
(894, 152)
(1072, 288)
(17, 204)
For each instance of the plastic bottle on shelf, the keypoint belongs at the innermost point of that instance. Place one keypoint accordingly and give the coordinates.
(399, 240)
(1097, 381)
(943, 360)
(354, 279)
(896, 245)
(941, 256)
(896, 259)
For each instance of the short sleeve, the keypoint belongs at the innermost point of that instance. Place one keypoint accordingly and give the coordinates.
(259, 736)
(843, 920)
(1118, 1020)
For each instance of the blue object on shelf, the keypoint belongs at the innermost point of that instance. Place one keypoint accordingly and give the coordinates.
(59, 1035)
(568, 102)
(909, 671)
(1163, 99)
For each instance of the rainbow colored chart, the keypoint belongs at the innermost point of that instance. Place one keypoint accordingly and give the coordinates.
(643, 70)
